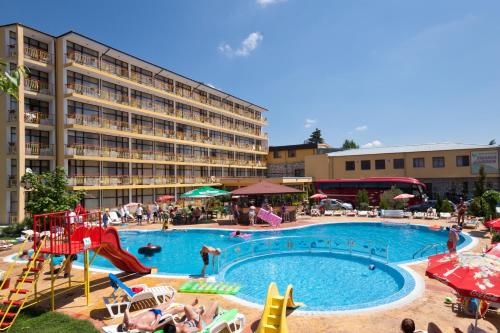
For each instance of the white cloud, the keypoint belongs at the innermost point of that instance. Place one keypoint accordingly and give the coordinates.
(374, 143)
(265, 3)
(248, 45)
(361, 128)
(211, 85)
(309, 123)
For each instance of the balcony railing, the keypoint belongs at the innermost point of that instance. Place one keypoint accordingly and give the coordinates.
(120, 180)
(39, 149)
(12, 181)
(33, 117)
(91, 61)
(91, 150)
(36, 54)
(38, 86)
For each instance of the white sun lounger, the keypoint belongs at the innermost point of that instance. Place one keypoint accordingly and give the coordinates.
(328, 213)
(114, 219)
(445, 215)
(472, 223)
(363, 213)
(337, 213)
(351, 213)
(418, 215)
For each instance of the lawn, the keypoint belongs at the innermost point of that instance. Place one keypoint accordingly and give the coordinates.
(31, 320)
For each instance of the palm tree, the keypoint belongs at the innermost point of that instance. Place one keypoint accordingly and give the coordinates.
(9, 82)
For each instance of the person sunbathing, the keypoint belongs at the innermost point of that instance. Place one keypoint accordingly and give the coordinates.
(194, 320)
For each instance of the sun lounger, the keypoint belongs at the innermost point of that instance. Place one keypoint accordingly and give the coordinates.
(418, 215)
(337, 213)
(363, 213)
(123, 297)
(315, 212)
(373, 213)
(328, 213)
(5, 246)
(114, 219)
(472, 223)
(351, 213)
(444, 215)
(407, 215)
(228, 321)
(395, 213)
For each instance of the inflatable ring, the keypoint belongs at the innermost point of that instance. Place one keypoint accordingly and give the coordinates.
(149, 250)
(435, 227)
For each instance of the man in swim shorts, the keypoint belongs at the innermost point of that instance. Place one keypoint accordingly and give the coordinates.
(204, 253)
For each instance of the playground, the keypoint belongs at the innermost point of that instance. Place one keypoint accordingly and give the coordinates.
(83, 294)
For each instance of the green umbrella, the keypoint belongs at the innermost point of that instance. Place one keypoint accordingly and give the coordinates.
(204, 192)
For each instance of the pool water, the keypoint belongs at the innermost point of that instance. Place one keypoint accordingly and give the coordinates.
(180, 248)
(323, 281)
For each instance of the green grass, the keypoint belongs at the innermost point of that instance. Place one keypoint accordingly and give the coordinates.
(31, 320)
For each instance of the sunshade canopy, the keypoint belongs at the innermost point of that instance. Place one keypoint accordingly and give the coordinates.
(265, 188)
(403, 196)
(318, 196)
(204, 192)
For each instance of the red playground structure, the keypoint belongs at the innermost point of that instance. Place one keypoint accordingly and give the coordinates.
(64, 234)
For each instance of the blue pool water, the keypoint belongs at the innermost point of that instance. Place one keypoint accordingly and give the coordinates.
(325, 281)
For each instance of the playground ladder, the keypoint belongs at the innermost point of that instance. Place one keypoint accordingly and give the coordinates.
(17, 298)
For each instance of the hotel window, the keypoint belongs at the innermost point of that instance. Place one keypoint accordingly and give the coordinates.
(379, 164)
(350, 166)
(182, 89)
(143, 75)
(114, 142)
(165, 148)
(215, 100)
(12, 39)
(141, 99)
(418, 162)
(35, 74)
(366, 165)
(141, 169)
(165, 83)
(83, 168)
(399, 163)
(38, 166)
(114, 66)
(30, 42)
(299, 172)
(142, 195)
(114, 169)
(276, 154)
(463, 161)
(36, 136)
(164, 104)
(117, 118)
(83, 138)
(35, 105)
(291, 152)
(438, 162)
(114, 198)
(89, 55)
(142, 145)
(120, 93)
(84, 80)
(200, 95)
(82, 109)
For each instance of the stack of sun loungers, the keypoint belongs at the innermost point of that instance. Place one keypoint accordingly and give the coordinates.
(363, 213)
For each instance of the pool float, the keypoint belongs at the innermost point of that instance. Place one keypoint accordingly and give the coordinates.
(210, 288)
(435, 227)
(245, 236)
(149, 250)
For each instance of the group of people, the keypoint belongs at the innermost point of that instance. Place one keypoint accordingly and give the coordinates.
(408, 326)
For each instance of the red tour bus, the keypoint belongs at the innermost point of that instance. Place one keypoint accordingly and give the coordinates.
(347, 189)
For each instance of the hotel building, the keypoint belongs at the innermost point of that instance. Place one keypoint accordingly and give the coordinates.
(125, 130)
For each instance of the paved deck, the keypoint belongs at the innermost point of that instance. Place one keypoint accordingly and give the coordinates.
(428, 307)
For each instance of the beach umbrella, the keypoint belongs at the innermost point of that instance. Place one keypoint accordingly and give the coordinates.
(404, 196)
(132, 204)
(470, 274)
(495, 250)
(318, 196)
(204, 192)
(494, 224)
(165, 198)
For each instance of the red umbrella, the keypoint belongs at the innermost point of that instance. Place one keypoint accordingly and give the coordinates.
(495, 250)
(318, 196)
(403, 196)
(470, 274)
(165, 198)
(494, 224)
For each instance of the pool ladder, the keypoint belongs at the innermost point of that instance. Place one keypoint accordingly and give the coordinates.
(428, 247)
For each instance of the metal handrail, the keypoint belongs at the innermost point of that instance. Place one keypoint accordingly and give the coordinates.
(429, 247)
(271, 245)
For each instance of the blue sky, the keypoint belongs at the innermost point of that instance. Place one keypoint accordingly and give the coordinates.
(383, 72)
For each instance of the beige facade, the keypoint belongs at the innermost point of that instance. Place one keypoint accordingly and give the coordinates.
(444, 167)
(123, 129)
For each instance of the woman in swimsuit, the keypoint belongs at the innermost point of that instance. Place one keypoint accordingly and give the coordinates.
(151, 319)
(204, 253)
(195, 319)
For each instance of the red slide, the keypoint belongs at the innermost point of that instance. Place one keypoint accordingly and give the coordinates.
(112, 250)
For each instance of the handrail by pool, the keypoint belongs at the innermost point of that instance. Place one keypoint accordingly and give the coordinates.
(270, 245)
(429, 247)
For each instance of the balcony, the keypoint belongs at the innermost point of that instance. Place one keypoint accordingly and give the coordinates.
(82, 180)
(90, 150)
(149, 81)
(96, 121)
(147, 155)
(40, 55)
(141, 129)
(39, 149)
(38, 86)
(39, 118)
(155, 107)
(11, 181)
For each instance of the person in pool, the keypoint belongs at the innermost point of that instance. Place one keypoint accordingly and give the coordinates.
(204, 253)
(453, 237)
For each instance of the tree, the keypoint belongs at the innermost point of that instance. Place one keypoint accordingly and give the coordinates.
(9, 82)
(480, 184)
(362, 200)
(316, 137)
(48, 193)
(349, 144)
(387, 199)
(492, 142)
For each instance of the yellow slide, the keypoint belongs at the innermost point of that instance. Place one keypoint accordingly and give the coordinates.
(274, 316)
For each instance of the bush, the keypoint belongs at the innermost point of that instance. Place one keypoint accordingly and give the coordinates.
(491, 199)
(446, 207)
(439, 203)
(495, 238)
(387, 199)
(362, 200)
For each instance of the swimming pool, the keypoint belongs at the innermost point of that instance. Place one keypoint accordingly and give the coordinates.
(337, 268)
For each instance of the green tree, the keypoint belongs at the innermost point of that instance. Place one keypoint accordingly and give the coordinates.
(446, 207)
(490, 200)
(439, 202)
(9, 82)
(47, 192)
(349, 144)
(480, 184)
(362, 200)
(316, 137)
(387, 199)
